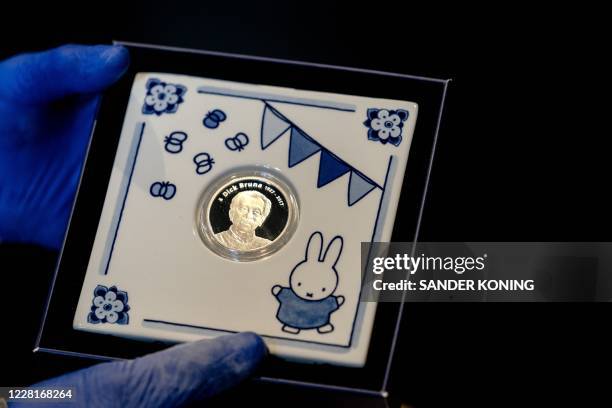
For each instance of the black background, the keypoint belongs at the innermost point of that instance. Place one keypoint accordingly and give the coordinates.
(522, 156)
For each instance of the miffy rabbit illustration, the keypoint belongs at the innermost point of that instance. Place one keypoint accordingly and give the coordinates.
(309, 300)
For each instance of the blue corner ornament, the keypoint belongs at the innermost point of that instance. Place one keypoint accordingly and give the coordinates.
(163, 189)
(162, 97)
(212, 119)
(385, 126)
(109, 305)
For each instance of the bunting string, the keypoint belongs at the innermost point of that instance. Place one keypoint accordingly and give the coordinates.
(302, 146)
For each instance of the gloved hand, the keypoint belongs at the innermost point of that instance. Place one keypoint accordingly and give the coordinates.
(47, 106)
(170, 378)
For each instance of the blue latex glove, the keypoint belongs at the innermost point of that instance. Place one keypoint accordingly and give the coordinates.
(170, 378)
(47, 106)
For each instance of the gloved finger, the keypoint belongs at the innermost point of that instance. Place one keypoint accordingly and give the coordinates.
(170, 378)
(70, 69)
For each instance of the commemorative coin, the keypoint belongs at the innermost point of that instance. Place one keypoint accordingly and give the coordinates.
(247, 215)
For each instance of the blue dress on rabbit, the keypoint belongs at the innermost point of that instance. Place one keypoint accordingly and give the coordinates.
(309, 301)
(302, 313)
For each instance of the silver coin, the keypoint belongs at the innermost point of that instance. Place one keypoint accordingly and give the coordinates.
(247, 215)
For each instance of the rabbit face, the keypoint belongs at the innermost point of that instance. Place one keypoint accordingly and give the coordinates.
(316, 278)
(313, 282)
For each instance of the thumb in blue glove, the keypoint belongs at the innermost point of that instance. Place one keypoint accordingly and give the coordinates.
(171, 378)
(47, 106)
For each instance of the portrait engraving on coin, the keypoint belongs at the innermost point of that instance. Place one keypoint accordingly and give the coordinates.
(248, 211)
(243, 215)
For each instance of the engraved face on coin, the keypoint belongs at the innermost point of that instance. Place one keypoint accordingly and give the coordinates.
(247, 215)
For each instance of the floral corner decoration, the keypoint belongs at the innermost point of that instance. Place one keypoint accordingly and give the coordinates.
(385, 126)
(162, 97)
(109, 305)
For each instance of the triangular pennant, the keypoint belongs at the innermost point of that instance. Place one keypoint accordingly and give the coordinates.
(330, 168)
(358, 188)
(301, 147)
(273, 125)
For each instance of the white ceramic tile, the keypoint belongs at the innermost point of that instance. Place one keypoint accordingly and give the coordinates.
(148, 246)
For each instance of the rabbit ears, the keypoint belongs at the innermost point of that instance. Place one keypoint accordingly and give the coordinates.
(314, 249)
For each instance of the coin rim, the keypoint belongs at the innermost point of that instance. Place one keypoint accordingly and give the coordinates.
(204, 204)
